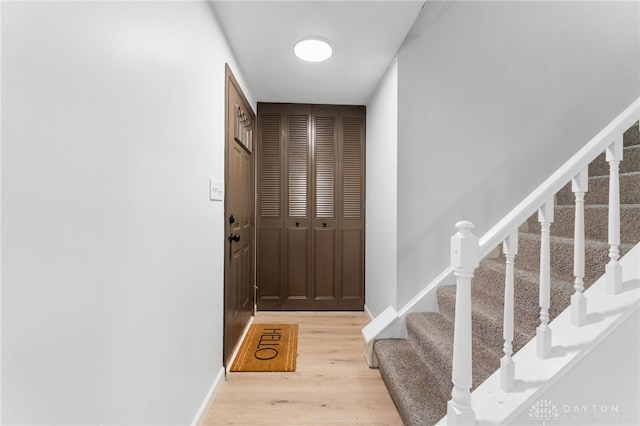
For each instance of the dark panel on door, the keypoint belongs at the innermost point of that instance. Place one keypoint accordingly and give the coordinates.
(269, 264)
(325, 288)
(352, 262)
(297, 287)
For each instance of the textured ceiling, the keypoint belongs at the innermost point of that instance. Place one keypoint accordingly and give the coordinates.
(365, 36)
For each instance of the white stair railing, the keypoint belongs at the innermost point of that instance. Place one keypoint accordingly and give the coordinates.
(466, 251)
(579, 186)
(543, 332)
(613, 269)
(507, 367)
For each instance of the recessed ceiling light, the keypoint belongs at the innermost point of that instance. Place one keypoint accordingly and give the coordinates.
(313, 50)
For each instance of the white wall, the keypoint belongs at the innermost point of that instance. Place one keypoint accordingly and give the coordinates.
(382, 184)
(598, 390)
(112, 267)
(493, 97)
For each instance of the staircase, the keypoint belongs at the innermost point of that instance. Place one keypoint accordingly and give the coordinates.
(418, 370)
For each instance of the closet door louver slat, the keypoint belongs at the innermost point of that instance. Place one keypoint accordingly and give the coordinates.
(325, 162)
(298, 146)
(269, 166)
(352, 168)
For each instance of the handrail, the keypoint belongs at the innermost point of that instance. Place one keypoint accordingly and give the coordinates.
(557, 180)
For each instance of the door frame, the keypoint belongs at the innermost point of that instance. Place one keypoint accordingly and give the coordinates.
(229, 353)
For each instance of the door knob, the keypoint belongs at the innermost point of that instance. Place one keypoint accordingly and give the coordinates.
(233, 238)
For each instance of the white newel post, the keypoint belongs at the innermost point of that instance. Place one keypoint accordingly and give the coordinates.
(507, 367)
(464, 259)
(543, 332)
(613, 271)
(579, 186)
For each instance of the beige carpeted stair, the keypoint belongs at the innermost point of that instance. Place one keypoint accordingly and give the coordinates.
(417, 371)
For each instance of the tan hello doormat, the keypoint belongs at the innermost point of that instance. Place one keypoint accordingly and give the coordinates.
(268, 347)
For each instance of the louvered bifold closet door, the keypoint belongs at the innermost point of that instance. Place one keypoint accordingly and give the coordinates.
(298, 286)
(352, 202)
(325, 215)
(270, 207)
(310, 207)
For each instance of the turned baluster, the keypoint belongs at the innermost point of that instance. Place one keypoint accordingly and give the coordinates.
(579, 186)
(543, 332)
(464, 259)
(507, 367)
(613, 270)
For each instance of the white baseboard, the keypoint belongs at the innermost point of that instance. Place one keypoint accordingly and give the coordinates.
(368, 312)
(211, 395)
(240, 340)
(208, 400)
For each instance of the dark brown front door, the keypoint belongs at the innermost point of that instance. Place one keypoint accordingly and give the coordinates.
(239, 218)
(310, 230)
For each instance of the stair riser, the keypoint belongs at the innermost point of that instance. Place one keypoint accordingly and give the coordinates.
(490, 280)
(596, 223)
(442, 374)
(598, 191)
(488, 324)
(630, 162)
(432, 337)
(433, 354)
(413, 389)
(562, 252)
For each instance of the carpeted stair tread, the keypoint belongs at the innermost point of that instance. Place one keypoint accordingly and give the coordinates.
(596, 222)
(630, 162)
(489, 278)
(488, 318)
(436, 349)
(596, 256)
(418, 397)
(632, 135)
(598, 190)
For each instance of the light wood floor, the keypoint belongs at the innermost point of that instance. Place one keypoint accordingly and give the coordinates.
(332, 384)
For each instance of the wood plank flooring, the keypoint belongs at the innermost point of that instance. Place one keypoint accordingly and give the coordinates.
(332, 384)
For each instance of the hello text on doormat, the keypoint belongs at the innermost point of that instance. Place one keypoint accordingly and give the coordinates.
(268, 347)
